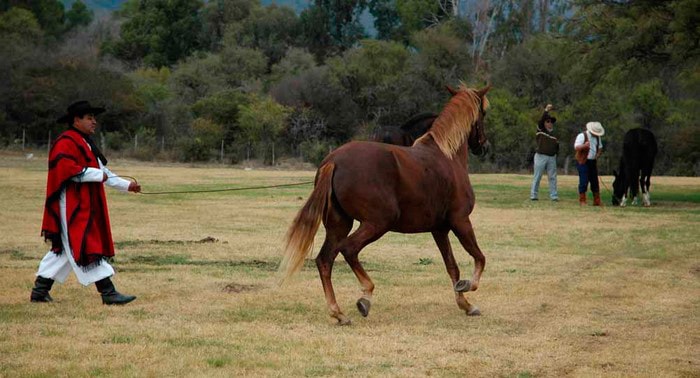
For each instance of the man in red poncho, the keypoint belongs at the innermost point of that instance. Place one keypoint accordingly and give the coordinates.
(76, 220)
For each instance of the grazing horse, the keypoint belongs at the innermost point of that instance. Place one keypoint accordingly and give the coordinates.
(421, 188)
(638, 153)
(405, 135)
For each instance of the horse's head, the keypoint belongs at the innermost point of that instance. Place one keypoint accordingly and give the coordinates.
(478, 143)
(618, 187)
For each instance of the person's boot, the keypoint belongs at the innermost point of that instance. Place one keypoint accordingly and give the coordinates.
(110, 295)
(40, 292)
(596, 199)
(582, 199)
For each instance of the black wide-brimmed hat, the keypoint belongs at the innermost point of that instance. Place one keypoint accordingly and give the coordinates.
(550, 118)
(79, 108)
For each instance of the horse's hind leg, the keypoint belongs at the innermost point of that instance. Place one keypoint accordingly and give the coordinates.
(634, 181)
(350, 248)
(465, 233)
(443, 242)
(337, 228)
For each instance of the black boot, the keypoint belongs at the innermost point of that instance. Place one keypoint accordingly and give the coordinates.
(40, 292)
(110, 295)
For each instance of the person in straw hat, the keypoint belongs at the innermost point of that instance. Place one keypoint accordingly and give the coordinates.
(589, 146)
(76, 221)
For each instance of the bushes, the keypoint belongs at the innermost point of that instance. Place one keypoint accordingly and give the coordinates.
(314, 151)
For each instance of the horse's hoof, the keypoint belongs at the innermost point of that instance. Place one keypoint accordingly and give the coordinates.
(462, 286)
(363, 306)
(474, 311)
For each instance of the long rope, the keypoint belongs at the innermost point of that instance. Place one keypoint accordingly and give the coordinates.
(217, 190)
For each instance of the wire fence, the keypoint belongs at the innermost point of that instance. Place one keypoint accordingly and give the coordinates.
(175, 150)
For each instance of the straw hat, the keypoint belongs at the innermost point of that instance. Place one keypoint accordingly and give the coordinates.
(595, 128)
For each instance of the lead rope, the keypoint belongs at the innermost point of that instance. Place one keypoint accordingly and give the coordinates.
(217, 190)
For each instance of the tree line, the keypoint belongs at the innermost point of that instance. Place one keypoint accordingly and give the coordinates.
(232, 79)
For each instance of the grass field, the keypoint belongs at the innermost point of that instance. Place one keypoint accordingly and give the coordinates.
(567, 291)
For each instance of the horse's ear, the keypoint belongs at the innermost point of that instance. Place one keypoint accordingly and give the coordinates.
(482, 92)
(452, 91)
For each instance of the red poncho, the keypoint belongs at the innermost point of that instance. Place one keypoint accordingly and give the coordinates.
(89, 231)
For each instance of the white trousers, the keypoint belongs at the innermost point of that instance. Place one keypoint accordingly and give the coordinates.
(57, 267)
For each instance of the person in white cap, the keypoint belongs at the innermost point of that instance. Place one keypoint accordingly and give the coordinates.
(589, 146)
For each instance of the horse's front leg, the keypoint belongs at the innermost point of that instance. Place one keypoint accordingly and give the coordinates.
(644, 183)
(443, 242)
(465, 233)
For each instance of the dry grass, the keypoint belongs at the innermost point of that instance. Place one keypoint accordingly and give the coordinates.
(566, 292)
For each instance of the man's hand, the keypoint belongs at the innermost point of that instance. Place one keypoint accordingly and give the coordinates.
(548, 108)
(104, 177)
(135, 187)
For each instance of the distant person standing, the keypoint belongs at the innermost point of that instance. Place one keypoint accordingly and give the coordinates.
(76, 221)
(545, 155)
(589, 146)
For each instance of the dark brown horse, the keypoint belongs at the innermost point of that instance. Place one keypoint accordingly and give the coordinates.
(416, 127)
(406, 134)
(421, 188)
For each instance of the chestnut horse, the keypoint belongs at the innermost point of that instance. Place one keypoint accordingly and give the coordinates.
(421, 188)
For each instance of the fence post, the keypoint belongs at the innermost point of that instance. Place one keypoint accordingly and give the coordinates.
(162, 144)
(48, 148)
(136, 142)
(24, 136)
(222, 151)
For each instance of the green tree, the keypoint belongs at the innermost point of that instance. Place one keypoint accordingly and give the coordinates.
(78, 15)
(20, 24)
(217, 15)
(223, 109)
(158, 32)
(293, 63)
(442, 56)
(370, 73)
(263, 121)
(271, 30)
(198, 77)
(329, 27)
(49, 14)
(419, 14)
(387, 20)
(242, 64)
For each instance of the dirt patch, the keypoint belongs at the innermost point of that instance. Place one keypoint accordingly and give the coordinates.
(695, 270)
(239, 288)
(130, 243)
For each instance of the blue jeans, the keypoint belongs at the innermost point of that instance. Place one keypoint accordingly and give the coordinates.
(588, 173)
(542, 163)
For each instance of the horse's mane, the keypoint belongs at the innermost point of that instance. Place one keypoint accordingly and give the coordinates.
(454, 123)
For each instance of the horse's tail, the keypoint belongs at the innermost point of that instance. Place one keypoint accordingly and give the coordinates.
(300, 236)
